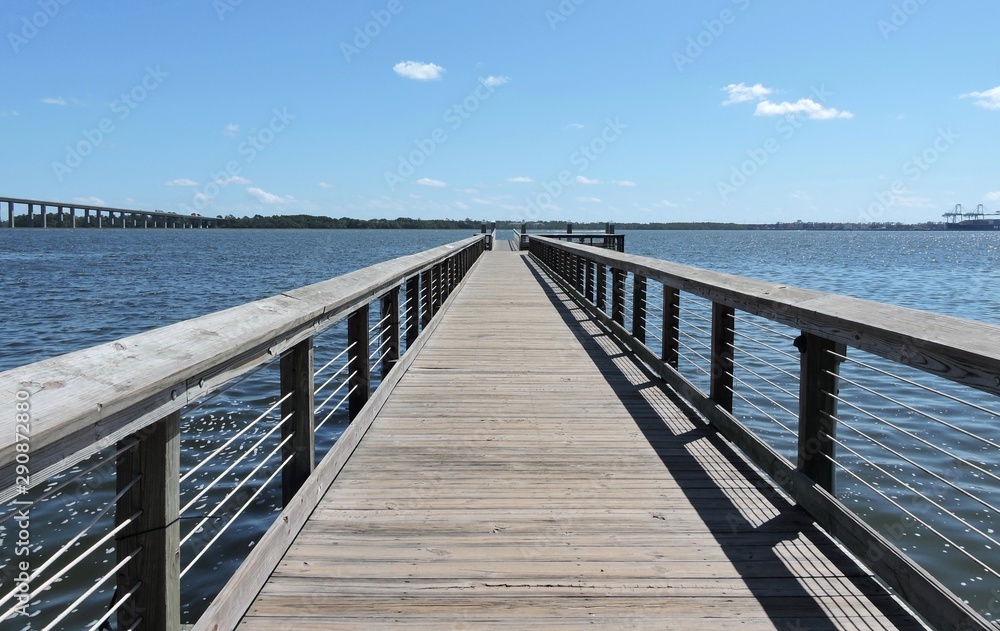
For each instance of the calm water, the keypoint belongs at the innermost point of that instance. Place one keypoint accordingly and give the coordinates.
(64, 291)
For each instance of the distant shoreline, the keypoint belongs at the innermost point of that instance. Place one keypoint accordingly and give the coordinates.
(313, 222)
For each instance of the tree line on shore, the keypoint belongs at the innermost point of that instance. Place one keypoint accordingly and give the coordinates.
(314, 222)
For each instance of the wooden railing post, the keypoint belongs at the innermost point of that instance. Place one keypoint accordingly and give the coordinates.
(412, 309)
(390, 330)
(357, 356)
(426, 280)
(296, 378)
(671, 326)
(578, 271)
(819, 379)
(618, 296)
(154, 535)
(590, 281)
(602, 287)
(639, 308)
(723, 321)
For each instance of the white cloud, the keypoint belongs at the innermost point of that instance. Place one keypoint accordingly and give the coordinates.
(624, 182)
(585, 180)
(574, 126)
(520, 180)
(6, 113)
(233, 179)
(54, 101)
(800, 195)
(808, 107)
(492, 81)
(183, 181)
(325, 185)
(993, 196)
(468, 191)
(741, 93)
(94, 201)
(988, 99)
(461, 206)
(418, 71)
(231, 129)
(269, 198)
(426, 181)
(589, 200)
(667, 204)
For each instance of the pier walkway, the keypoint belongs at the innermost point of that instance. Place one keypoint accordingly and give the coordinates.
(527, 472)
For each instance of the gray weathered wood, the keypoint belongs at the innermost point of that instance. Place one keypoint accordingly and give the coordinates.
(820, 367)
(154, 534)
(298, 414)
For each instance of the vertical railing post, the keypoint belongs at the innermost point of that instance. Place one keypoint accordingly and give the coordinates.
(390, 330)
(639, 308)
(426, 280)
(671, 326)
(357, 357)
(297, 410)
(602, 287)
(723, 323)
(412, 309)
(578, 272)
(590, 281)
(153, 536)
(618, 296)
(818, 385)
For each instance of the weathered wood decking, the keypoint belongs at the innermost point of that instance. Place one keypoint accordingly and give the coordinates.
(526, 473)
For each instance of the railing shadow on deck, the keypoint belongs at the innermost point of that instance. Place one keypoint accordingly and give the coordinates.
(718, 338)
(107, 497)
(725, 520)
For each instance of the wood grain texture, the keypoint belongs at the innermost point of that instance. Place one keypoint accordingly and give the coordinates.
(525, 471)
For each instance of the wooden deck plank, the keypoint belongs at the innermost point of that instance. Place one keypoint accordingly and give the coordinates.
(527, 472)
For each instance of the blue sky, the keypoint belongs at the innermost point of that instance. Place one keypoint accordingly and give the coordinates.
(720, 110)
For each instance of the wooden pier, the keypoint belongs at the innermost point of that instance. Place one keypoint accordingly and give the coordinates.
(534, 455)
(527, 472)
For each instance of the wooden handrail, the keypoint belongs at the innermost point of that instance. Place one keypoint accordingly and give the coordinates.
(964, 351)
(84, 401)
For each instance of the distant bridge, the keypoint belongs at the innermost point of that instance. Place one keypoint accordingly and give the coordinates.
(94, 216)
